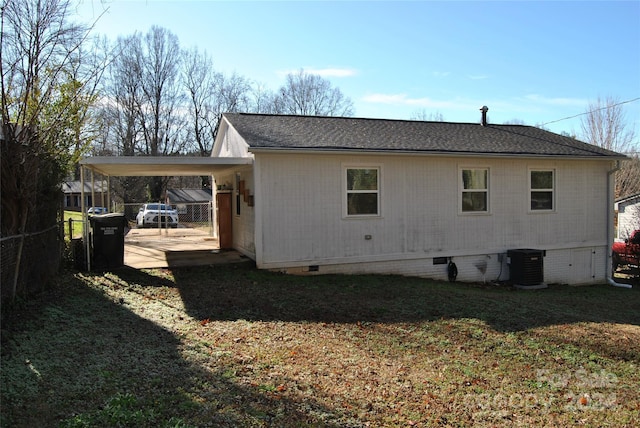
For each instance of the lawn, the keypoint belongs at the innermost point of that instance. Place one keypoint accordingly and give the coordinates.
(231, 346)
(74, 226)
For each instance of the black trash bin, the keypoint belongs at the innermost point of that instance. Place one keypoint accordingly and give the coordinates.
(107, 240)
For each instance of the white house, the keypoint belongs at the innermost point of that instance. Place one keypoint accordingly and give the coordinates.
(349, 195)
(628, 210)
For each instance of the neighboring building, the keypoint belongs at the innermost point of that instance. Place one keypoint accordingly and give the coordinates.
(188, 196)
(348, 195)
(193, 205)
(72, 191)
(628, 212)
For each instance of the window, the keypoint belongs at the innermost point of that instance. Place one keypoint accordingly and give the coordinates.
(541, 190)
(474, 190)
(363, 191)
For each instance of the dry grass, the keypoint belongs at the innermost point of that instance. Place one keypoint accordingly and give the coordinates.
(233, 346)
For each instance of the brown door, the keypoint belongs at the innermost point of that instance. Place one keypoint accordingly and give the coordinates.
(223, 201)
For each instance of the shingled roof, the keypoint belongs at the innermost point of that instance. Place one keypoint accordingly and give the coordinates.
(188, 195)
(76, 186)
(264, 131)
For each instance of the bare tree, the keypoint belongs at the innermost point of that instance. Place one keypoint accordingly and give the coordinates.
(605, 125)
(159, 67)
(425, 116)
(48, 85)
(143, 108)
(161, 100)
(120, 111)
(124, 96)
(263, 100)
(200, 84)
(210, 94)
(628, 177)
(310, 94)
(47, 78)
(232, 94)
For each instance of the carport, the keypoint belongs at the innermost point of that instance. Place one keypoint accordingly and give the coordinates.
(173, 251)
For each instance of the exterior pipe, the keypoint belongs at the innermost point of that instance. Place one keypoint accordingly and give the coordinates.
(617, 284)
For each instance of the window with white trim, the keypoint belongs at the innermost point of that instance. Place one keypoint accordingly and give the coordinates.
(362, 191)
(474, 190)
(541, 189)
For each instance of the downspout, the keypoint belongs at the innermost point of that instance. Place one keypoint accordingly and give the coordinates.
(610, 202)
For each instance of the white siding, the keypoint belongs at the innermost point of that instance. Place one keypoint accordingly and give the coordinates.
(301, 222)
(230, 144)
(568, 266)
(243, 224)
(628, 217)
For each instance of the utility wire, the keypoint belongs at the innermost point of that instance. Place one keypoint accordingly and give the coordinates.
(592, 111)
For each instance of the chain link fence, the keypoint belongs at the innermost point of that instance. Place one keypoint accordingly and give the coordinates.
(199, 215)
(29, 261)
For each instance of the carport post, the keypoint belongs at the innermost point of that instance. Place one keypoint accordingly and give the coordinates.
(160, 220)
(210, 218)
(93, 188)
(102, 180)
(85, 221)
(82, 210)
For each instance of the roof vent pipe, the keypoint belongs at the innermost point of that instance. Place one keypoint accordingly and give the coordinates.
(484, 111)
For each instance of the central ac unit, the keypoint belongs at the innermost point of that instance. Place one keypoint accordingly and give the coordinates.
(526, 266)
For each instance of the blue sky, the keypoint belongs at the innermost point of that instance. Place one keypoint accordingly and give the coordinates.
(532, 61)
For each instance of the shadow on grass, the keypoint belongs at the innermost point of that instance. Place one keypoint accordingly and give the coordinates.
(240, 291)
(234, 292)
(75, 351)
(75, 357)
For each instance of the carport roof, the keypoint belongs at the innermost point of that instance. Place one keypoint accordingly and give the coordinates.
(165, 166)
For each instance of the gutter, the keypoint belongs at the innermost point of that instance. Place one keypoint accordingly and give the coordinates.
(610, 201)
(405, 152)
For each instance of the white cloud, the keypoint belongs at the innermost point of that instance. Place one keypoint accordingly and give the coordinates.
(323, 72)
(575, 102)
(530, 108)
(441, 73)
(333, 72)
(424, 102)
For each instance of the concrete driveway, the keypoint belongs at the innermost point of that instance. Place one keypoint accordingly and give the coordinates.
(161, 248)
